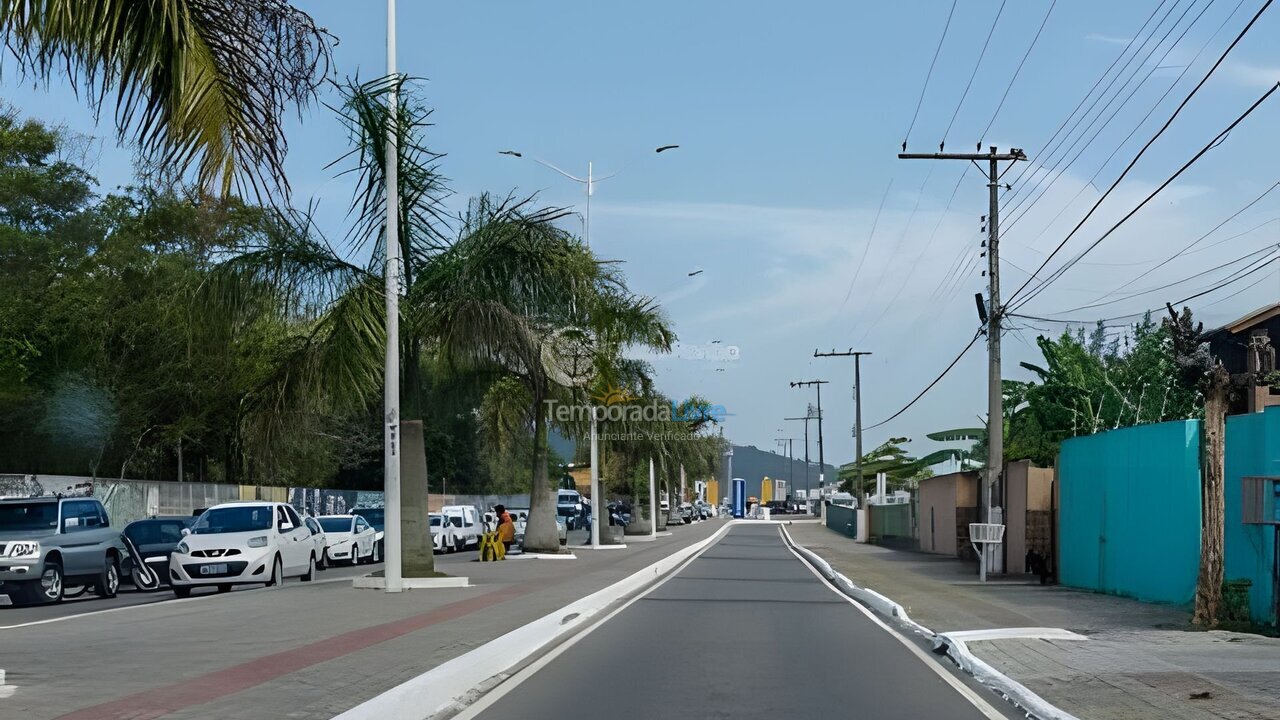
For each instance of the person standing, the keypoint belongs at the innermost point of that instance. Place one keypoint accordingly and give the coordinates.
(506, 527)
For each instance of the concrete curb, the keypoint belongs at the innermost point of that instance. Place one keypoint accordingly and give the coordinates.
(954, 643)
(449, 687)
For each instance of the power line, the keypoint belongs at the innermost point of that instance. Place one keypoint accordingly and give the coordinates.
(874, 224)
(1022, 62)
(892, 254)
(1017, 179)
(1229, 263)
(929, 387)
(1027, 201)
(1212, 144)
(1150, 142)
(1198, 240)
(929, 75)
(942, 145)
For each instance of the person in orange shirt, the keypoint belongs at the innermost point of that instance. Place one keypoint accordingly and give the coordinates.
(506, 526)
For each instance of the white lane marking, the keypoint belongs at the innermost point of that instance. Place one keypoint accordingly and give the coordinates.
(1014, 633)
(159, 601)
(511, 683)
(965, 691)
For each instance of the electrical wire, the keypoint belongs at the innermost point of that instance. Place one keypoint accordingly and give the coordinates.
(1125, 51)
(1198, 240)
(1155, 137)
(870, 236)
(930, 386)
(929, 75)
(1027, 201)
(1067, 266)
(1017, 71)
(1185, 69)
(974, 74)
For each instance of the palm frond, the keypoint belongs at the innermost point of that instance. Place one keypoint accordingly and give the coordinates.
(197, 83)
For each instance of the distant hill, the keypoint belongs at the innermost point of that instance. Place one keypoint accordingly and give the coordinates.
(753, 464)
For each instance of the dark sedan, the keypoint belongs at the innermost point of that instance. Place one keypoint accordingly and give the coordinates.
(155, 538)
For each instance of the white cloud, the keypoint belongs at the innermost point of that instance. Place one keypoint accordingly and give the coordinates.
(1250, 75)
(1109, 39)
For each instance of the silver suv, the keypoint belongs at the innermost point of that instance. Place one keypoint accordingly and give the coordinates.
(49, 543)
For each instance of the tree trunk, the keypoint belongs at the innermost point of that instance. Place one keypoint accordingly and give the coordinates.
(541, 534)
(1212, 502)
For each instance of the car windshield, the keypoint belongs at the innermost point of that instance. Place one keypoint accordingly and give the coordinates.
(374, 517)
(234, 519)
(436, 521)
(155, 532)
(335, 525)
(28, 516)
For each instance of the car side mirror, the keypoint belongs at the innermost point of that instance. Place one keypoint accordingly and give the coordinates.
(186, 532)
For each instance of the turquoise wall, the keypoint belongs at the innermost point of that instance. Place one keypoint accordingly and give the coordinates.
(1253, 448)
(843, 520)
(1129, 511)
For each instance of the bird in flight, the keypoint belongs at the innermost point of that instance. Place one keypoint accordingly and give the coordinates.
(667, 147)
(512, 153)
(695, 272)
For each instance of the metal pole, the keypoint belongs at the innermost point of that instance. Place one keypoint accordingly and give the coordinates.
(653, 502)
(586, 220)
(391, 392)
(596, 500)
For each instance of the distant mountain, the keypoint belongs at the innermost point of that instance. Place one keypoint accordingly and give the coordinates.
(753, 464)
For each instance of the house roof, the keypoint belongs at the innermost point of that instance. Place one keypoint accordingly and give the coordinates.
(1256, 317)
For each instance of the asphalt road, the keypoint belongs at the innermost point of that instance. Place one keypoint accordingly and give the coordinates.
(744, 631)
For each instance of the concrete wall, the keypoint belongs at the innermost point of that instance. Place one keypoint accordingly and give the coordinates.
(937, 520)
(1130, 511)
(1028, 500)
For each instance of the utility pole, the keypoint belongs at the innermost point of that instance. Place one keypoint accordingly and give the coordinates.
(807, 417)
(857, 402)
(995, 312)
(822, 464)
(391, 371)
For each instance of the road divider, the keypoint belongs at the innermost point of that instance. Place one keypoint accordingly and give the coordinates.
(952, 644)
(449, 687)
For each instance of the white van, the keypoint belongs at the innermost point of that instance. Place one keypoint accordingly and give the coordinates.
(843, 499)
(465, 520)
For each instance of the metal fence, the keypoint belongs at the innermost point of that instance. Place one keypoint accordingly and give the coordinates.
(843, 520)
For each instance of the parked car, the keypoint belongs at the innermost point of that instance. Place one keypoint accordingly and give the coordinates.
(444, 536)
(777, 507)
(377, 518)
(319, 542)
(154, 538)
(348, 538)
(50, 543)
(686, 512)
(243, 543)
(569, 506)
(466, 520)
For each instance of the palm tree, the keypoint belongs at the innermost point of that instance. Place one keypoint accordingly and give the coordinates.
(201, 83)
(518, 293)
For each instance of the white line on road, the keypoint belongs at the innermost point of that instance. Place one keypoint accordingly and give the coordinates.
(965, 691)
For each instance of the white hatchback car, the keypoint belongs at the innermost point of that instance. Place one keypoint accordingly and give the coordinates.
(243, 543)
(348, 538)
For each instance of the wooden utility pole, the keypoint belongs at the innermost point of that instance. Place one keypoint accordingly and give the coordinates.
(1212, 499)
(995, 311)
(857, 403)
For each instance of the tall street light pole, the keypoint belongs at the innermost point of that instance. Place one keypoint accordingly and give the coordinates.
(391, 377)
(857, 402)
(806, 420)
(822, 463)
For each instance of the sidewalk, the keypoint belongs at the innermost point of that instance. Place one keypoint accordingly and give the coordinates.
(1139, 660)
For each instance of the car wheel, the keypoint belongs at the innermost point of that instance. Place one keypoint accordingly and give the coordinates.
(108, 582)
(182, 591)
(49, 588)
(224, 588)
(277, 574)
(459, 544)
(311, 569)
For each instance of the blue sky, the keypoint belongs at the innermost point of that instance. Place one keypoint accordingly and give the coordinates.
(789, 119)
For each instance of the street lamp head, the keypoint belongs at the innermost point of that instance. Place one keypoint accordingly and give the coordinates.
(512, 153)
(666, 147)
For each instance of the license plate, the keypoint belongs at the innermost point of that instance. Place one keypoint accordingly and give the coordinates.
(213, 569)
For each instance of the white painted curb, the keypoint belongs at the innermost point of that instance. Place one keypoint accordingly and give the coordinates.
(456, 683)
(1012, 690)
(369, 582)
